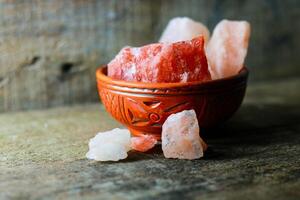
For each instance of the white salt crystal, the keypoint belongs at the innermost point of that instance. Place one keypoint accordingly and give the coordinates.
(180, 136)
(111, 145)
(183, 28)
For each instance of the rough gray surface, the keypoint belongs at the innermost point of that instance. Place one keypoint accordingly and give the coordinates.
(253, 156)
(49, 49)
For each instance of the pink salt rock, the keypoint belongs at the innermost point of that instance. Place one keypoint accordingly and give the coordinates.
(183, 28)
(162, 63)
(180, 136)
(143, 143)
(227, 49)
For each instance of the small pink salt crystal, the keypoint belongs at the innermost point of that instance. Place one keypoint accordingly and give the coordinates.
(227, 48)
(143, 143)
(180, 136)
(183, 28)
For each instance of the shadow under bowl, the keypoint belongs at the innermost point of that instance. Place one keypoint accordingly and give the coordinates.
(144, 107)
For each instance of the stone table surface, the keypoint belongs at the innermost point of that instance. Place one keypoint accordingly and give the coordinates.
(255, 155)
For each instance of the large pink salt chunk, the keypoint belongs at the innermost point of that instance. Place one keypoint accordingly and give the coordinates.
(143, 143)
(162, 63)
(180, 136)
(183, 28)
(227, 49)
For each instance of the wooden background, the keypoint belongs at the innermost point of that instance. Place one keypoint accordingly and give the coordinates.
(49, 49)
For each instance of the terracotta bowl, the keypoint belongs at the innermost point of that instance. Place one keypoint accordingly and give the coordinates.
(143, 107)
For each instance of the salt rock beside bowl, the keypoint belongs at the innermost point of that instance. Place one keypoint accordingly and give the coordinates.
(144, 107)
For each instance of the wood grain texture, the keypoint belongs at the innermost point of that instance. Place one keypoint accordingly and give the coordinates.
(254, 156)
(49, 49)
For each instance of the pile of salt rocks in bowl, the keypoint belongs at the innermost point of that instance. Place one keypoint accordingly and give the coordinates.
(183, 41)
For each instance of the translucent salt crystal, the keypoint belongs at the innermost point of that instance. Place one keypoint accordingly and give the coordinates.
(227, 48)
(107, 152)
(143, 143)
(111, 145)
(180, 136)
(183, 28)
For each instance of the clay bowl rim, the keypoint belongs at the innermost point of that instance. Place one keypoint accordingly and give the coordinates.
(102, 71)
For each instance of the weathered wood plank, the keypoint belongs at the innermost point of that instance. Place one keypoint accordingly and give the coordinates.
(255, 155)
(49, 49)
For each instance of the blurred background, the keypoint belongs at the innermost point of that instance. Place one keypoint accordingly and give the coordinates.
(50, 49)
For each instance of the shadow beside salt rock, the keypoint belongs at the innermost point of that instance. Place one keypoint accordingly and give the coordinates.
(251, 131)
